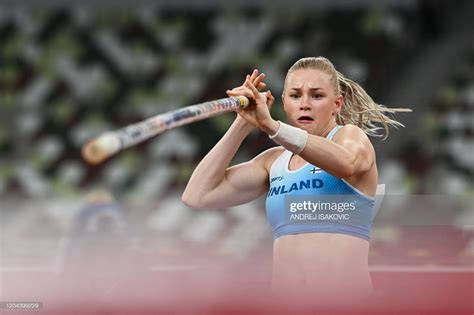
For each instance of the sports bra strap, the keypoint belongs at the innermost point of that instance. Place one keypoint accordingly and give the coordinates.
(333, 132)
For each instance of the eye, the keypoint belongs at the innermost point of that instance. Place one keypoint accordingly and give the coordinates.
(294, 96)
(317, 96)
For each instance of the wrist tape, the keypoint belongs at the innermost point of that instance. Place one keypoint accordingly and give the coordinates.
(291, 138)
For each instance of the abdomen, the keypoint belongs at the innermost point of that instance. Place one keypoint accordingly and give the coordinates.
(327, 265)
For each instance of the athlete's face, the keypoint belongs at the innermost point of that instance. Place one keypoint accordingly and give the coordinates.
(310, 102)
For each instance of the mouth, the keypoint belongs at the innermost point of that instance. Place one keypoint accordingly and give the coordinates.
(305, 120)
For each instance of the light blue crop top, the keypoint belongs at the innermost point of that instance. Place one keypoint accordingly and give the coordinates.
(314, 183)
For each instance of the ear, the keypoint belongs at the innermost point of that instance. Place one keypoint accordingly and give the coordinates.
(338, 104)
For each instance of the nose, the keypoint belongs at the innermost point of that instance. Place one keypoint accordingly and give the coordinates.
(304, 105)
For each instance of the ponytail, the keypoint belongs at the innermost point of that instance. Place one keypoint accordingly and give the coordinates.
(360, 109)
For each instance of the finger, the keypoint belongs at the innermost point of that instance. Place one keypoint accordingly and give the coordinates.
(258, 79)
(241, 90)
(261, 86)
(253, 75)
(256, 82)
(252, 88)
(270, 98)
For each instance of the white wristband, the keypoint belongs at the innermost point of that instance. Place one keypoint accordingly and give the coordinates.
(291, 138)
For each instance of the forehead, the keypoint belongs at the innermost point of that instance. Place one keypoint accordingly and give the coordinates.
(310, 78)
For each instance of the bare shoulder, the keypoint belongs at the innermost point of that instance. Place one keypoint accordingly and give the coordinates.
(351, 136)
(351, 132)
(267, 157)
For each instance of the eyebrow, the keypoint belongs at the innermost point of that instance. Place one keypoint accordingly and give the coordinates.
(311, 89)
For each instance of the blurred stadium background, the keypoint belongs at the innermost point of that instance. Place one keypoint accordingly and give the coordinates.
(69, 71)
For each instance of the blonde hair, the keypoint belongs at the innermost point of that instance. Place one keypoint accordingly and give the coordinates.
(358, 107)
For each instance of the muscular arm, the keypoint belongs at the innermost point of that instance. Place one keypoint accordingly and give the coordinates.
(214, 184)
(349, 154)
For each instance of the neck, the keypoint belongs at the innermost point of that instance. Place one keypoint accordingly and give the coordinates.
(328, 129)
